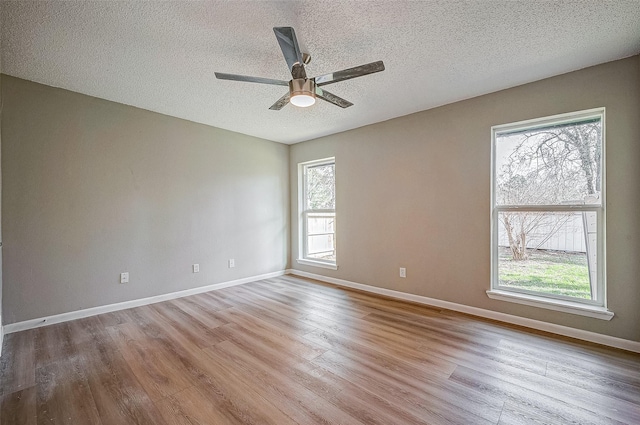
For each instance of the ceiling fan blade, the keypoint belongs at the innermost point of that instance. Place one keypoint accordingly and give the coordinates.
(235, 77)
(280, 103)
(347, 74)
(286, 37)
(332, 98)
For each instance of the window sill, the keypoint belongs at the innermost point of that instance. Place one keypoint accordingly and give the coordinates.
(551, 304)
(317, 264)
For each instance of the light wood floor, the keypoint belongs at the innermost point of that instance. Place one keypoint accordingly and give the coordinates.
(293, 351)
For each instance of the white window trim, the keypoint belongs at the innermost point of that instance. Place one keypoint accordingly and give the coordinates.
(551, 304)
(322, 264)
(597, 309)
(302, 212)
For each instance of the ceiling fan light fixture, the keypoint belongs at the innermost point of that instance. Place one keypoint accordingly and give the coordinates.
(302, 92)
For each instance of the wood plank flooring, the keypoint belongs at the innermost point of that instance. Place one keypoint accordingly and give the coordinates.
(294, 351)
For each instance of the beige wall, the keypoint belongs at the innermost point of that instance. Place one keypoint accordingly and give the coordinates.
(93, 188)
(414, 192)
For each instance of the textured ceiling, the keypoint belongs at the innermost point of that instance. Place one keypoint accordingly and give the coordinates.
(161, 56)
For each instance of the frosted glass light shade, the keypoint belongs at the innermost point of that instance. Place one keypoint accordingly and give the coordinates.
(302, 100)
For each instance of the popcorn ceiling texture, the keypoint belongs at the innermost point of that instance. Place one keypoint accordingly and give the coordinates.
(161, 56)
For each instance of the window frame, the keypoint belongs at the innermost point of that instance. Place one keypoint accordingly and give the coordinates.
(593, 308)
(303, 213)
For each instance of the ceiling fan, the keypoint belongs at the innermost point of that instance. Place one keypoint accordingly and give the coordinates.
(303, 91)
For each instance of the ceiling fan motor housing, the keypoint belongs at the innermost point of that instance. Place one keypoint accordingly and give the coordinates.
(302, 86)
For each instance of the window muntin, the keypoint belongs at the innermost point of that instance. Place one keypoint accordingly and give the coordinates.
(548, 208)
(317, 215)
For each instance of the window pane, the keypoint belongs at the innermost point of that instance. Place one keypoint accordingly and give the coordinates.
(321, 247)
(548, 252)
(320, 223)
(553, 165)
(321, 236)
(320, 187)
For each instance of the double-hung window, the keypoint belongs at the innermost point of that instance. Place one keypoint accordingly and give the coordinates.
(317, 206)
(548, 213)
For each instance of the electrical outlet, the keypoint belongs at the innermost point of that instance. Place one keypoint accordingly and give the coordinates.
(124, 277)
(196, 268)
(232, 263)
(403, 272)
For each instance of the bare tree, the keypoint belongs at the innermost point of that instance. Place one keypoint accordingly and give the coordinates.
(547, 166)
(321, 187)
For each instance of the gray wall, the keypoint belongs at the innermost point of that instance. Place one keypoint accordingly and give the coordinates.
(93, 188)
(1, 106)
(415, 192)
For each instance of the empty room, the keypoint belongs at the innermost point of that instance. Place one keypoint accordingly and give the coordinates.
(327, 212)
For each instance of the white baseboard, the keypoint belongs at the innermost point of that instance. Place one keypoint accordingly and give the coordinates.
(79, 314)
(607, 340)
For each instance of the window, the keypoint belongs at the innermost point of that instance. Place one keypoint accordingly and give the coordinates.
(317, 206)
(548, 213)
